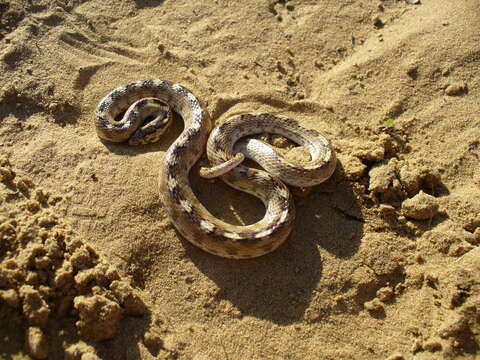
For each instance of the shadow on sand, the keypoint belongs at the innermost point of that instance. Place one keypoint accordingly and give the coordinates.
(278, 287)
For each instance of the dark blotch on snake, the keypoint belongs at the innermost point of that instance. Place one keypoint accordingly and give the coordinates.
(276, 186)
(179, 149)
(176, 194)
(102, 106)
(171, 166)
(190, 133)
(130, 86)
(284, 204)
(218, 235)
(182, 90)
(217, 146)
(102, 119)
(115, 95)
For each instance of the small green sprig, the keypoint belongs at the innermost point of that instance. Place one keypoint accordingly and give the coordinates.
(387, 124)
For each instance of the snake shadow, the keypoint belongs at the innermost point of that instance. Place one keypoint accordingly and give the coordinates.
(141, 4)
(279, 286)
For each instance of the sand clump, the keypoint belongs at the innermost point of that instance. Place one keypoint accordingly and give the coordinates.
(47, 273)
(456, 292)
(456, 88)
(395, 180)
(37, 345)
(89, 325)
(421, 207)
(80, 351)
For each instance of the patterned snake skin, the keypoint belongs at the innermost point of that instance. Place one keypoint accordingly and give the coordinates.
(153, 99)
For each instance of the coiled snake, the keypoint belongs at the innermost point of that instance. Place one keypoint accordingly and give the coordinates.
(143, 100)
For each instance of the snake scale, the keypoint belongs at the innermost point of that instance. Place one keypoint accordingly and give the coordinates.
(226, 148)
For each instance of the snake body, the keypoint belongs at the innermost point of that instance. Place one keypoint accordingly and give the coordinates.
(185, 211)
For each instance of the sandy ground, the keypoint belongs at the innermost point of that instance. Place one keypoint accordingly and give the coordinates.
(383, 262)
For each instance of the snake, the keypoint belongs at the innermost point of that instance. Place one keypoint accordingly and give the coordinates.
(140, 113)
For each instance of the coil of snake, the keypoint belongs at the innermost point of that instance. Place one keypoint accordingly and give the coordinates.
(154, 100)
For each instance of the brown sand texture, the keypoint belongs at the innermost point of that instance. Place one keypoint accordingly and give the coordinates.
(384, 259)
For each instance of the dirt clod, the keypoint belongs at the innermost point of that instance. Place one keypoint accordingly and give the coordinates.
(99, 317)
(421, 207)
(456, 88)
(37, 343)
